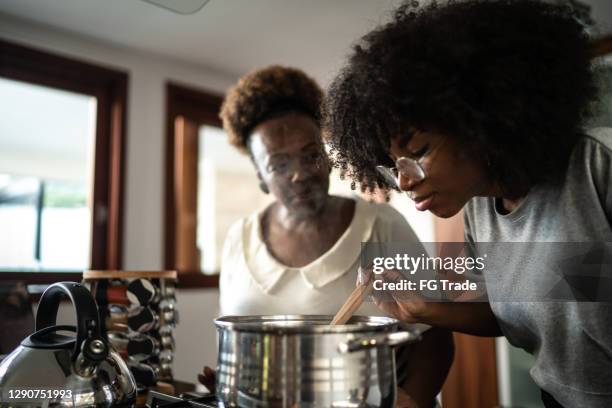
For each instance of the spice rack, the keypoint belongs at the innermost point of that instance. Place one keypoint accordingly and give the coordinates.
(138, 314)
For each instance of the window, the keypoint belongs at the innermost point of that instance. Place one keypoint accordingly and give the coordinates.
(62, 134)
(192, 116)
(44, 177)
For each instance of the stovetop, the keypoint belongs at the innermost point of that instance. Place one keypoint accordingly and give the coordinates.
(187, 400)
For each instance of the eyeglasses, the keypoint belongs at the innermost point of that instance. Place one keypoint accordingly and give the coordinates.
(407, 167)
(311, 160)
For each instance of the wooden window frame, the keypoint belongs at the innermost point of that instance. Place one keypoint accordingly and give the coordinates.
(602, 46)
(109, 87)
(202, 108)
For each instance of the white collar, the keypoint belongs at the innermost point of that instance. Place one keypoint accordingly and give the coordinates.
(266, 270)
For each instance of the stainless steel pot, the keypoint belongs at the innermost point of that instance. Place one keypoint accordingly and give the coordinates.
(290, 361)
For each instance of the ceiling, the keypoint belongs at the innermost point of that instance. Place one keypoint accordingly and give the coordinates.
(231, 36)
(228, 36)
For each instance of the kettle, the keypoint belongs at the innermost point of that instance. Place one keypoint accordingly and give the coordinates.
(52, 369)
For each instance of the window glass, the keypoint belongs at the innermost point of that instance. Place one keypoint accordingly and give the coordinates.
(228, 190)
(46, 161)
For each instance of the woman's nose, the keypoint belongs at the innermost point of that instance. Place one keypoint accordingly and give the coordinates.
(303, 169)
(299, 173)
(406, 183)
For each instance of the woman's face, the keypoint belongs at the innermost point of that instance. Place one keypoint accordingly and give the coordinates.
(291, 161)
(452, 175)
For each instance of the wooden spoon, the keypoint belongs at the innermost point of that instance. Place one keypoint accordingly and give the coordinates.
(351, 305)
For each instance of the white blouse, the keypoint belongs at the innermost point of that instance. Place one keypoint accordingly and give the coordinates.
(253, 282)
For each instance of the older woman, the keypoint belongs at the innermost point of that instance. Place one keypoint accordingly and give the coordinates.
(479, 105)
(300, 255)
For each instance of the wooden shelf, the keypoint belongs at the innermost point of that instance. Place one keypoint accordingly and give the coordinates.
(129, 274)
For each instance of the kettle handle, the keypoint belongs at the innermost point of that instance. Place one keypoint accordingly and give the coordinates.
(88, 325)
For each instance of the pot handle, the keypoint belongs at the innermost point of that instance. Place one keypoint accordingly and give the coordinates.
(88, 325)
(385, 339)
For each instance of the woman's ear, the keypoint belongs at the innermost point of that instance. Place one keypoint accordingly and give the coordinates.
(262, 184)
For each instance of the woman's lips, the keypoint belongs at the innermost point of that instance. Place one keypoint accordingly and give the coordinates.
(302, 195)
(306, 196)
(423, 203)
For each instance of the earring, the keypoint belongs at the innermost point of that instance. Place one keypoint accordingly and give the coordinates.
(263, 187)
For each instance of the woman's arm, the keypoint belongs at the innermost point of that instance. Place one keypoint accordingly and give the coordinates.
(429, 363)
(475, 318)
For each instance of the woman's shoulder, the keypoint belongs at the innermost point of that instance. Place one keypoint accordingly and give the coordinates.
(602, 134)
(237, 244)
(237, 228)
(240, 229)
(387, 223)
(388, 213)
(598, 138)
(246, 225)
(370, 210)
(382, 212)
(592, 155)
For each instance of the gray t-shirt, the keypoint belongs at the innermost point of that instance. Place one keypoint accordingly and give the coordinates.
(571, 341)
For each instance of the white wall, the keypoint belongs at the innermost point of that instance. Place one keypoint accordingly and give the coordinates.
(143, 240)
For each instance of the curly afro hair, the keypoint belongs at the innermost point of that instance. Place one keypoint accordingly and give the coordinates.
(264, 94)
(512, 80)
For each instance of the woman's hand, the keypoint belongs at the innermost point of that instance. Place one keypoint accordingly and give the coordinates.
(406, 306)
(474, 318)
(409, 311)
(208, 378)
(404, 400)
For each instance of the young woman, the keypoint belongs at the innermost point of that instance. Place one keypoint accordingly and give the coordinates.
(480, 105)
(300, 255)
